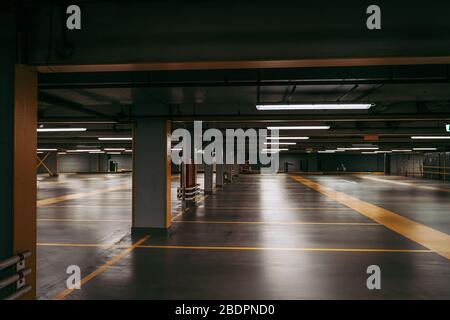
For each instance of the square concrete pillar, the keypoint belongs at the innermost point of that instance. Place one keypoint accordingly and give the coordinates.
(208, 179)
(18, 142)
(151, 177)
(229, 171)
(236, 170)
(219, 174)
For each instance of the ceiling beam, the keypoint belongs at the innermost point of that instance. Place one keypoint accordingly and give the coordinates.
(70, 105)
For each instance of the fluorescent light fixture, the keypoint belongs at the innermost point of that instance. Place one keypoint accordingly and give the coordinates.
(326, 151)
(424, 149)
(287, 138)
(116, 139)
(39, 152)
(47, 149)
(280, 143)
(84, 150)
(62, 153)
(319, 106)
(383, 151)
(96, 152)
(300, 128)
(430, 137)
(404, 150)
(369, 152)
(114, 149)
(128, 150)
(114, 153)
(274, 150)
(177, 149)
(358, 149)
(61, 129)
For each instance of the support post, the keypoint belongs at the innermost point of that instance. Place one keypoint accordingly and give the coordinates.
(208, 176)
(219, 174)
(151, 177)
(18, 141)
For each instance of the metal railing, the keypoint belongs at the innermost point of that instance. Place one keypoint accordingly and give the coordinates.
(18, 278)
(188, 194)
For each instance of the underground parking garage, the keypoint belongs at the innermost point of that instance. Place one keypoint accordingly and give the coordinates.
(305, 158)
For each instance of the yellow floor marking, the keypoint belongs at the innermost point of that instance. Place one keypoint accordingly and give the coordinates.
(433, 188)
(81, 220)
(235, 248)
(108, 197)
(79, 195)
(93, 245)
(187, 209)
(180, 213)
(277, 208)
(281, 222)
(282, 249)
(102, 268)
(257, 199)
(423, 235)
(86, 206)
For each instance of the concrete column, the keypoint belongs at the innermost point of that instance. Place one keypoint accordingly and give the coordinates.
(208, 176)
(219, 174)
(387, 164)
(151, 177)
(229, 169)
(18, 142)
(236, 170)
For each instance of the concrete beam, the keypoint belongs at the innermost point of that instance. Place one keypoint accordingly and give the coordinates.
(262, 34)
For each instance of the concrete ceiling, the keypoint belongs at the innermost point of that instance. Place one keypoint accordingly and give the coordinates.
(415, 104)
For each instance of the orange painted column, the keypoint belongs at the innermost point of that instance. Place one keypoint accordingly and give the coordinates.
(24, 174)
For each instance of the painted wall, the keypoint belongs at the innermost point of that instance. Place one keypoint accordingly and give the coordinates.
(436, 165)
(406, 164)
(125, 162)
(73, 163)
(330, 162)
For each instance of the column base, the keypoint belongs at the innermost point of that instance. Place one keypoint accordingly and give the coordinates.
(154, 232)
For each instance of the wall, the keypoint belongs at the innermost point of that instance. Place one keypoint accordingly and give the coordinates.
(406, 164)
(330, 162)
(125, 162)
(352, 162)
(436, 165)
(73, 163)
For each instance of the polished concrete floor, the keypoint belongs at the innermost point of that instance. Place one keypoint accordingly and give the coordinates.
(260, 237)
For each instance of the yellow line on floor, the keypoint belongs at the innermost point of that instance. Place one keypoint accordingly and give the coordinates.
(237, 248)
(280, 222)
(276, 208)
(93, 245)
(180, 213)
(423, 235)
(415, 185)
(281, 249)
(81, 220)
(102, 268)
(79, 195)
(86, 206)
(187, 209)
